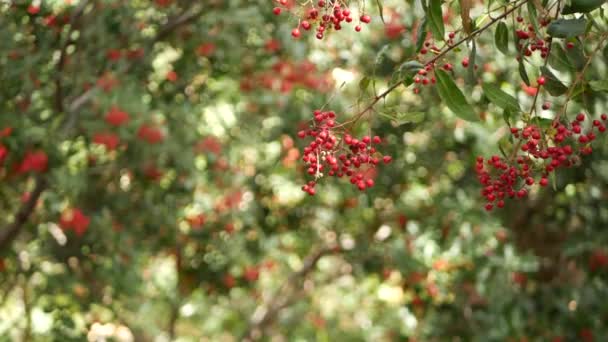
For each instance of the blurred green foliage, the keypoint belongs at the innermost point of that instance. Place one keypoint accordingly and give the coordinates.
(191, 236)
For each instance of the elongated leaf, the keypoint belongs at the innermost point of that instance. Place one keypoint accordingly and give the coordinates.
(471, 69)
(380, 10)
(500, 98)
(582, 6)
(501, 37)
(599, 85)
(453, 97)
(421, 34)
(401, 118)
(523, 73)
(567, 28)
(435, 19)
(558, 58)
(364, 83)
(533, 15)
(553, 85)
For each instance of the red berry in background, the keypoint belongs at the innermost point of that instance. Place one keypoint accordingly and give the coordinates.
(569, 45)
(75, 220)
(305, 25)
(116, 117)
(598, 260)
(276, 10)
(366, 18)
(113, 54)
(33, 10)
(546, 106)
(3, 153)
(295, 33)
(251, 273)
(33, 161)
(604, 117)
(580, 117)
(358, 28)
(205, 49)
(107, 139)
(387, 159)
(150, 134)
(171, 76)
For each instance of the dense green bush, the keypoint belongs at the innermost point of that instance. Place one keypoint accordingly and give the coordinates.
(151, 166)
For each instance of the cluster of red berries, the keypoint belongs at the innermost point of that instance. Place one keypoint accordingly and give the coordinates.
(74, 219)
(338, 154)
(327, 15)
(285, 75)
(528, 41)
(543, 152)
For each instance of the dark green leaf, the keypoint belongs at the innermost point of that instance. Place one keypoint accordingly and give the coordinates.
(380, 10)
(501, 37)
(421, 34)
(533, 15)
(599, 85)
(567, 28)
(582, 6)
(553, 85)
(523, 73)
(471, 68)
(435, 18)
(576, 56)
(558, 58)
(453, 97)
(500, 98)
(364, 83)
(401, 118)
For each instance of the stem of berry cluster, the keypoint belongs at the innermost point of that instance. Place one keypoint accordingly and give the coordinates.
(385, 93)
(581, 75)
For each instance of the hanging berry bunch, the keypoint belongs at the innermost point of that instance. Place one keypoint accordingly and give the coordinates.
(334, 152)
(325, 15)
(539, 152)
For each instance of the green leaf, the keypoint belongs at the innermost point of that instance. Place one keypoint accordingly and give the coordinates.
(471, 68)
(599, 85)
(400, 118)
(582, 6)
(364, 83)
(553, 85)
(576, 56)
(533, 15)
(500, 98)
(421, 34)
(407, 71)
(453, 97)
(380, 10)
(567, 28)
(435, 18)
(501, 37)
(523, 73)
(558, 58)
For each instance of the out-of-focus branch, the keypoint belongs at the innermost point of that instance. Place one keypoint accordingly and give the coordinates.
(188, 16)
(266, 313)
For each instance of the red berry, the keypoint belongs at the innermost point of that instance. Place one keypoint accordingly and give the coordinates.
(580, 117)
(295, 33)
(276, 10)
(387, 159)
(366, 18)
(306, 25)
(543, 181)
(358, 28)
(541, 80)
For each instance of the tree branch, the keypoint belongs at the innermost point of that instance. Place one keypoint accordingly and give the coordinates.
(266, 313)
(10, 232)
(186, 17)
